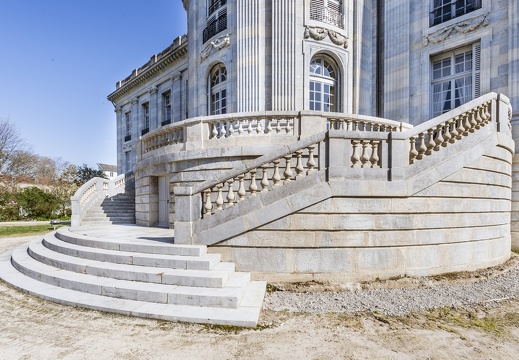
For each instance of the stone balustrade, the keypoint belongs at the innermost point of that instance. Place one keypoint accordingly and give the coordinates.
(94, 189)
(262, 175)
(425, 142)
(267, 127)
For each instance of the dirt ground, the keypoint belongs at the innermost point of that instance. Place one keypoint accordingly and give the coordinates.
(31, 328)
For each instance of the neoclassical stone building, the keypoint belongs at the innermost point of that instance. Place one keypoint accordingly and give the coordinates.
(330, 139)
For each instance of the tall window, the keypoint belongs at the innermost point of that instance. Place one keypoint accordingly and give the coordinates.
(145, 118)
(128, 125)
(455, 78)
(127, 162)
(328, 11)
(166, 108)
(218, 90)
(216, 18)
(323, 85)
(443, 10)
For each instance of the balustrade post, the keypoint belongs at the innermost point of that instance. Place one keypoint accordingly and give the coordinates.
(195, 133)
(188, 208)
(398, 156)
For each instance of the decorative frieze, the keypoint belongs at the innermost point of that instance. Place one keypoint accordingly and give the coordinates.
(462, 27)
(317, 33)
(215, 45)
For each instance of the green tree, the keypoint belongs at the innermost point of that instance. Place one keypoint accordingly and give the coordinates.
(36, 203)
(85, 173)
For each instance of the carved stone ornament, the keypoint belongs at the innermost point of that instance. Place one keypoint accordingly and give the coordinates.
(215, 45)
(462, 27)
(319, 34)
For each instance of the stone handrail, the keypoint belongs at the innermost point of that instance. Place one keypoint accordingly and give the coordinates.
(440, 132)
(219, 130)
(93, 190)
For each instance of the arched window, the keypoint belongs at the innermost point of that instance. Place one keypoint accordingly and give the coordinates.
(218, 90)
(323, 85)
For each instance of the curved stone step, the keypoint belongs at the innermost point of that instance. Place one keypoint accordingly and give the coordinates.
(202, 262)
(226, 297)
(66, 235)
(217, 277)
(245, 315)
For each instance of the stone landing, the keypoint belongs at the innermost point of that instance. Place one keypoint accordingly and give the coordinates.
(134, 271)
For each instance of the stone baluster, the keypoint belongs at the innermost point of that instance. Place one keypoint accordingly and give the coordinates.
(278, 127)
(230, 193)
(439, 141)
(310, 164)
(300, 170)
(269, 126)
(223, 131)
(460, 129)
(473, 122)
(421, 148)
(250, 129)
(219, 198)
(259, 127)
(240, 127)
(253, 188)
(207, 202)
(288, 128)
(231, 128)
(241, 187)
(288, 169)
(355, 158)
(488, 116)
(413, 153)
(374, 159)
(276, 178)
(447, 133)
(364, 158)
(348, 125)
(264, 178)
(430, 144)
(466, 123)
(454, 132)
(215, 130)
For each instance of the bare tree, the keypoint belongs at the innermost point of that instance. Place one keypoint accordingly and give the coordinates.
(15, 156)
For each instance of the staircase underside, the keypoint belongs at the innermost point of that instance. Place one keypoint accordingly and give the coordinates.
(134, 271)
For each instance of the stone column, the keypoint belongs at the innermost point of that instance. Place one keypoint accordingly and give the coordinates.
(176, 98)
(154, 108)
(120, 138)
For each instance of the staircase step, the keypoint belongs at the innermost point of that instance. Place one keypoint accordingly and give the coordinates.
(195, 278)
(202, 262)
(245, 315)
(227, 297)
(136, 245)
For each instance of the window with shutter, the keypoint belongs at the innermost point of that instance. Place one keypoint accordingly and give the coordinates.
(455, 78)
(216, 19)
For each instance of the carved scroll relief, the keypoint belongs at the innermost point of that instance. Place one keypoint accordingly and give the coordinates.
(215, 45)
(319, 34)
(462, 27)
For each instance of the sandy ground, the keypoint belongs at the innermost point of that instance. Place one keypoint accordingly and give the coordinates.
(31, 328)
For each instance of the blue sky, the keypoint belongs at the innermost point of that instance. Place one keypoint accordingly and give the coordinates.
(59, 59)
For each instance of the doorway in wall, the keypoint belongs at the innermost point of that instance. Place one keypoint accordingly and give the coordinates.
(163, 201)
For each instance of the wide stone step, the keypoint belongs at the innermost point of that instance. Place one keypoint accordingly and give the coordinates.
(203, 262)
(133, 245)
(217, 277)
(246, 314)
(228, 296)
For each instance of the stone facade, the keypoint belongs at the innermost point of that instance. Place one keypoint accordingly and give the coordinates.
(261, 77)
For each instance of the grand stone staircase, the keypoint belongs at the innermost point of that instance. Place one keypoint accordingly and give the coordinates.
(118, 209)
(134, 271)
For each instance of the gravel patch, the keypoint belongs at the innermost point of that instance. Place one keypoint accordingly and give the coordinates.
(488, 287)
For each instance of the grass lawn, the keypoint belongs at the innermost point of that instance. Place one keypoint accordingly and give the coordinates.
(6, 231)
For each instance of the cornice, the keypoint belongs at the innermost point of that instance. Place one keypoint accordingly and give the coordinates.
(148, 70)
